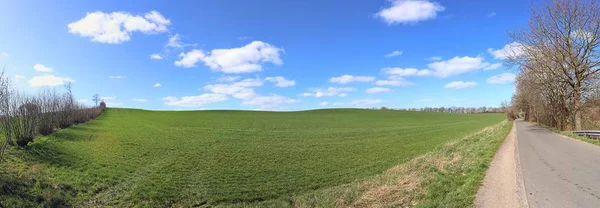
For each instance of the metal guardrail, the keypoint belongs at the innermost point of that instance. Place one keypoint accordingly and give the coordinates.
(588, 133)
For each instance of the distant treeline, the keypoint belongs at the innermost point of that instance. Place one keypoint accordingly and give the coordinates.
(24, 116)
(482, 109)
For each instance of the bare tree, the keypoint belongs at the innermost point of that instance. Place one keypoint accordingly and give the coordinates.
(96, 99)
(562, 41)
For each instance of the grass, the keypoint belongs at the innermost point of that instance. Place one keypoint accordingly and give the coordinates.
(569, 134)
(235, 158)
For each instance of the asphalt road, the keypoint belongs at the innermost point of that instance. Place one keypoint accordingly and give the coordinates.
(557, 171)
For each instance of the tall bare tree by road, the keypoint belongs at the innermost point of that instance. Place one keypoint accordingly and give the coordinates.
(560, 51)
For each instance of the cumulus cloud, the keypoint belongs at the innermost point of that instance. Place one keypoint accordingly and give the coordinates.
(140, 100)
(396, 71)
(268, 102)
(19, 77)
(156, 56)
(360, 103)
(49, 80)
(394, 81)
(513, 49)
(228, 78)
(42, 68)
(344, 79)
(409, 11)
(244, 90)
(377, 90)
(457, 65)
(394, 53)
(117, 77)
(248, 58)
(493, 66)
(331, 91)
(281, 81)
(108, 98)
(324, 104)
(503, 78)
(117, 27)
(460, 85)
(194, 101)
(157, 85)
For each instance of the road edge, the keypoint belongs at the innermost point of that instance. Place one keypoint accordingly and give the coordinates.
(521, 191)
(503, 183)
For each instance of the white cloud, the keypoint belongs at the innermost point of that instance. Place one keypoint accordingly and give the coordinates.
(108, 98)
(460, 85)
(324, 104)
(194, 101)
(377, 90)
(331, 91)
(248, 58)
(281, 81)
(503, 78)
(19, 77)
(360, 103)
(49, 80)
(240, 90)
(175, 41)
(491, 14)
(493, 66)
(394, 53)
(244, 91)
(140, 100)
(434, 58)
(409, 11)
(4, 54)
(117, 77)
(405, 72)
(513, 49)
(344, 79)
(111, 104)
(156, 56)
(117, 27)
(190, 58)
(268, 102)
(157, 85)
(42, 68)
(457, 65)
(228, 78)
(393, 81)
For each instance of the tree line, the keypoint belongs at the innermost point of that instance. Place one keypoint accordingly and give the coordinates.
(482, 109)
(24, 116)
(558, 59)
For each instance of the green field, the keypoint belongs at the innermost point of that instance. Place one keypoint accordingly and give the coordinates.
(165, 158)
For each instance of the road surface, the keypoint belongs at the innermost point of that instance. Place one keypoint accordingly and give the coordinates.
(557, 171)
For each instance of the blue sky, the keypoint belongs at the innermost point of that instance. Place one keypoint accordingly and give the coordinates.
(276, 55)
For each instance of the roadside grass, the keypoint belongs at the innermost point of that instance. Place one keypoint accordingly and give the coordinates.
(578, 137)
(137, 158)
(449, 176)
(569, 134)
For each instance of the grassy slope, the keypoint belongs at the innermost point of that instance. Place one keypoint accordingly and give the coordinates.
(129, 157)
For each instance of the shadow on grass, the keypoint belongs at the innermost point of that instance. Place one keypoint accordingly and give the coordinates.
(29, 192)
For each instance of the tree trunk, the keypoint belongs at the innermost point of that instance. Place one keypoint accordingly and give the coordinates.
(577, 103)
